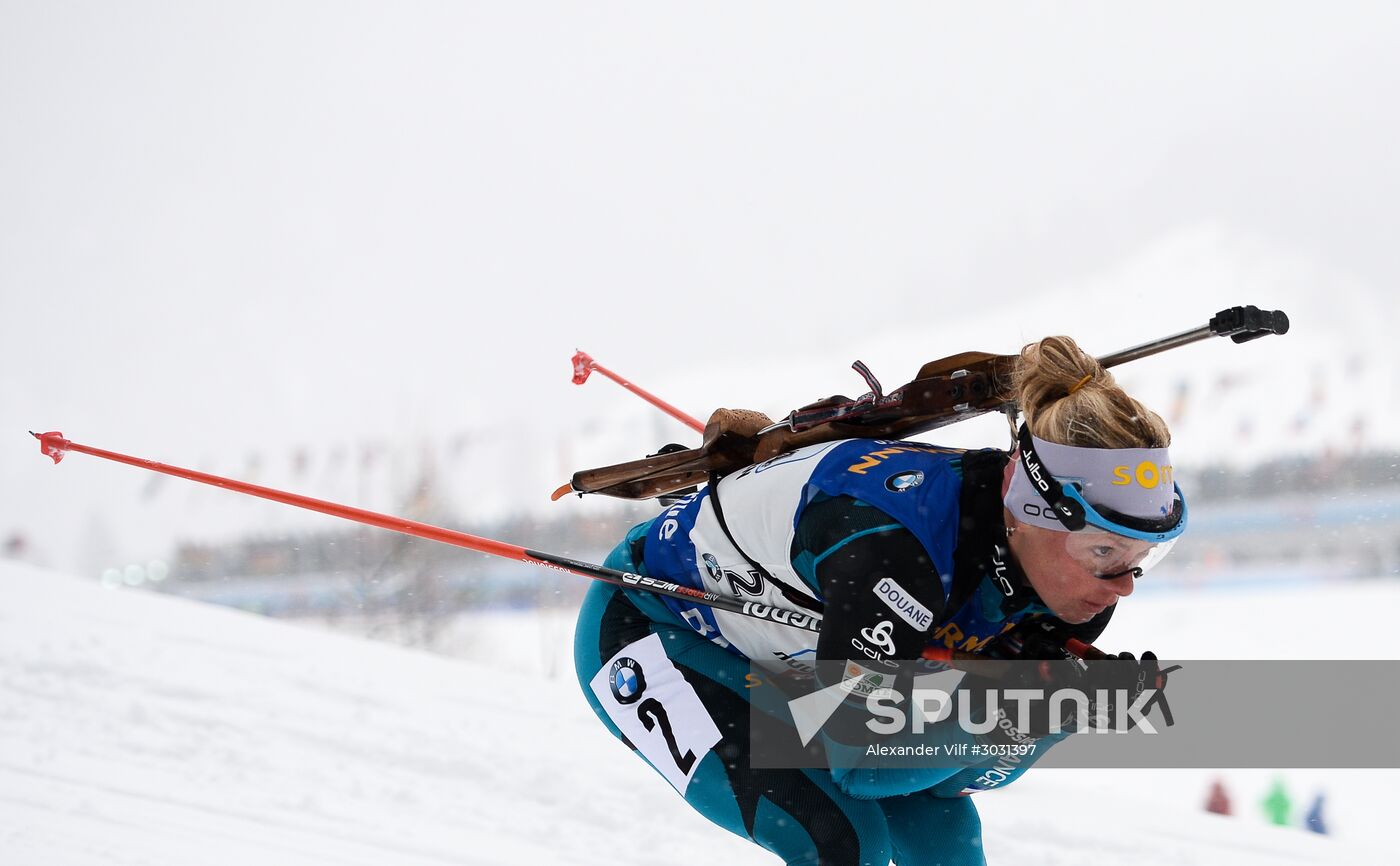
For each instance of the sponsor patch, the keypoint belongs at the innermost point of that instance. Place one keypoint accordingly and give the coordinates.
(904, 481)
(859, 680)
(628, 681)
(904, 605)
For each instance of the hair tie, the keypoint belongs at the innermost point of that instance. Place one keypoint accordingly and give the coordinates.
(1079, 384)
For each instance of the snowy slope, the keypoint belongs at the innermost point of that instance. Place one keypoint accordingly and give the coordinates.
(141, 730)
(137, 729)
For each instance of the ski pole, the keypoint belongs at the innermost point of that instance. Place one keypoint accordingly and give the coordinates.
(584, 364)
(54, 445)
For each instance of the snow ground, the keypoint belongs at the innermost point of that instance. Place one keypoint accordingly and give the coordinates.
(141, 730)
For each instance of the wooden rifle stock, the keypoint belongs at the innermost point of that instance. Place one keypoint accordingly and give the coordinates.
(944, 392)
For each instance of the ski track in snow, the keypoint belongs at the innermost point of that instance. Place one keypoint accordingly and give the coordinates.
(140, 730)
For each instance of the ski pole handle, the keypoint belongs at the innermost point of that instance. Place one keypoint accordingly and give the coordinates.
(584, 364)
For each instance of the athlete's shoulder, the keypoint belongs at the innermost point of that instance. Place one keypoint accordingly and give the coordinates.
(918, 485)
(864, 467)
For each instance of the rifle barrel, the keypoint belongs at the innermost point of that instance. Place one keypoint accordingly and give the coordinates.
(1160, 345)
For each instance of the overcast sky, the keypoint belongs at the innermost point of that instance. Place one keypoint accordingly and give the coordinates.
(236, 229)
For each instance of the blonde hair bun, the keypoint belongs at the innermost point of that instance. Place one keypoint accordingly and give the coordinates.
(1068, 397)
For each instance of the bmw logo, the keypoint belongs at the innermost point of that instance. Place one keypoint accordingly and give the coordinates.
(626, 680)
(904, 481)
(711, 565)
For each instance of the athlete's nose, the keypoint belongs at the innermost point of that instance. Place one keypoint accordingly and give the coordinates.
(1123, 584)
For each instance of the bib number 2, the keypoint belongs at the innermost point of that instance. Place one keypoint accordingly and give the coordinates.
(652, 714)
(650, 702)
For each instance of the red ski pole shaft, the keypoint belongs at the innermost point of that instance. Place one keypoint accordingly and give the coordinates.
(584, 364)
(55, 446)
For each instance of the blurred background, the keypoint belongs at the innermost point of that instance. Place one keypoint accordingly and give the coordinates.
(349, 248)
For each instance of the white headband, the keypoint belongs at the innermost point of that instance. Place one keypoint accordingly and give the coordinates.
(1133, 481)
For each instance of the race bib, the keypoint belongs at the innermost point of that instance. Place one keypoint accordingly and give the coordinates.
(649, 700)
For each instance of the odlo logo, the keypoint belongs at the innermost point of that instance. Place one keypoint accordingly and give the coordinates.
(881, 636)
(999, 572)
(626, 680)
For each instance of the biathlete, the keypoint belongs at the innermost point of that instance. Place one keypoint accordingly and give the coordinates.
(899, 546)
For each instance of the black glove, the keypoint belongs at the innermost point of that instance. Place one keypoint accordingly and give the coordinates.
(1112, 687)
(1046, 655)
(1125, 679)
